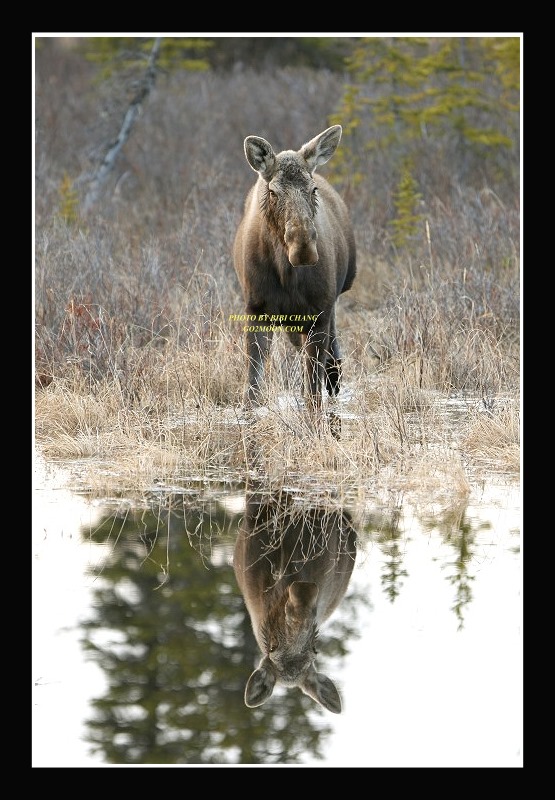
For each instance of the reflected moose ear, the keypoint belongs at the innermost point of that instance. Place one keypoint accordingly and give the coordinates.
(259, 687)
(323, 690)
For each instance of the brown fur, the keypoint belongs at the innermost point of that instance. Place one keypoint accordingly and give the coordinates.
(294, 254)
(293, 569)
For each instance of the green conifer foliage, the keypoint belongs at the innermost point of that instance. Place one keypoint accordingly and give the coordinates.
(443, 96)
(406, 199)
(69, 200)
(118, 54)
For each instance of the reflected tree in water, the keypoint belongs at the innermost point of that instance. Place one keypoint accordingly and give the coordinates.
(385, 530)
(171, 634)
(457, 532)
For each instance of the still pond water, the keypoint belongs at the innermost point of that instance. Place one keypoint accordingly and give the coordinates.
(142, 644)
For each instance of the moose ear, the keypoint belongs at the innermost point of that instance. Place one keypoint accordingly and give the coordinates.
(260, 155)
(322, 147)
(259, 686)
(323, 690)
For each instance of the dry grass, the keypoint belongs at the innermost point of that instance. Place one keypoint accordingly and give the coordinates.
(139, 370)
(492, 437)
(183, 420)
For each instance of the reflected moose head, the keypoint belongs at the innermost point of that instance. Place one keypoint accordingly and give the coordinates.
(293, 566)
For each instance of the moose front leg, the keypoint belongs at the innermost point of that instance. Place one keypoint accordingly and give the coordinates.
(316, 348)
(258, 350)
(333, 362)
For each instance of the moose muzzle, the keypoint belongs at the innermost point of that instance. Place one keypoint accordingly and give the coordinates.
(300, 239)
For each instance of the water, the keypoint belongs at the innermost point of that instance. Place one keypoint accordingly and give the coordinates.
(142, 645)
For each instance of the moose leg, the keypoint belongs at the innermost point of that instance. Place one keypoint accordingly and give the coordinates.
(316, 346)
(333, 362)
(258, 349)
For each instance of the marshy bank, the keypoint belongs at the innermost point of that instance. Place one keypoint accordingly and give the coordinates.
(139, 356)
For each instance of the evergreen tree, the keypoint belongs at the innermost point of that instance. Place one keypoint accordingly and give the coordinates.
(453, 99)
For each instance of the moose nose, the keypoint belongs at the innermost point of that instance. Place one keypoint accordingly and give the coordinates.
(300, 231)
(300, 239)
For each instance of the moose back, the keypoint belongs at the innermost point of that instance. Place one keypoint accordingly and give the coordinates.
(293, 567)
(294, 254)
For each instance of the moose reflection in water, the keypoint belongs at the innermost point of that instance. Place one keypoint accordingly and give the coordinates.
(293, 566)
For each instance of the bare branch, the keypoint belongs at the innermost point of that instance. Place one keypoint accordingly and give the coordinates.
(101, 174)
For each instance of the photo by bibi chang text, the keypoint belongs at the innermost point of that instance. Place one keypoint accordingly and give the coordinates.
(272, 322)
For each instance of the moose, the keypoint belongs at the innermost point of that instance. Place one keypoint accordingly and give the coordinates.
(294, 254)
(293, 566)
